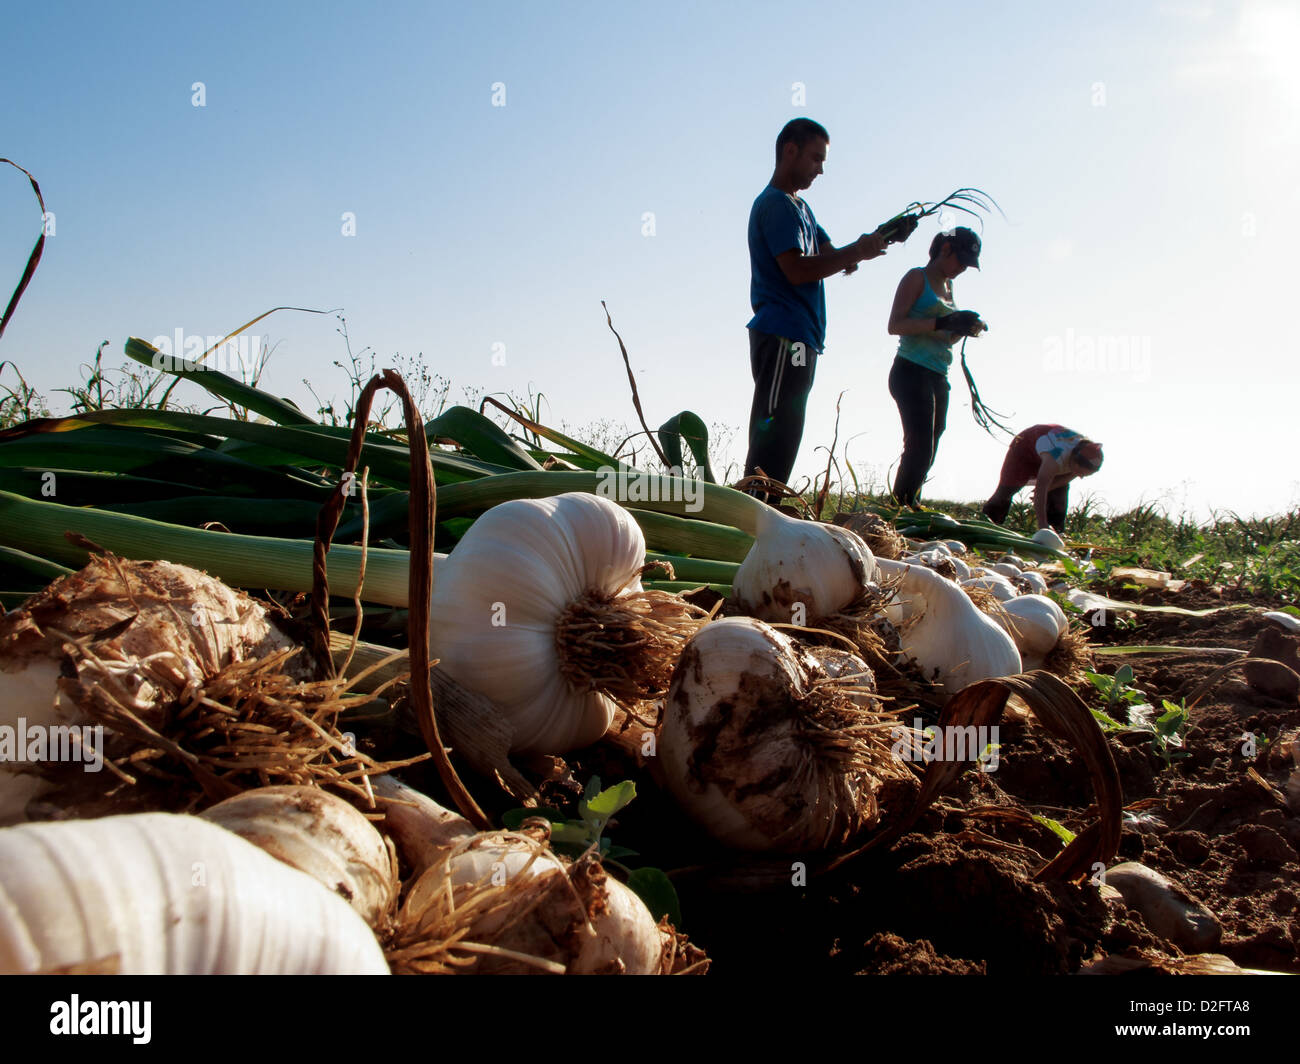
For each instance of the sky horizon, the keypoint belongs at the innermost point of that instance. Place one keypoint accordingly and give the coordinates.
(469, 184)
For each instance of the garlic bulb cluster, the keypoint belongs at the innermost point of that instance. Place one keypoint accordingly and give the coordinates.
(315, 832)
(823, 567)
(947, 635)
(161, 894)
(540, 608)
(765, 750)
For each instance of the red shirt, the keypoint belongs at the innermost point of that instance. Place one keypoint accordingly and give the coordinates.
(1023, 457)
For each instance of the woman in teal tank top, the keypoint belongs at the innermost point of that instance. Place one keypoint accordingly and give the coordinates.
(927, 323)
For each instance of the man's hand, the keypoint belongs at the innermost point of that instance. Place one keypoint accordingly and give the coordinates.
(869, 246)
(906, 227)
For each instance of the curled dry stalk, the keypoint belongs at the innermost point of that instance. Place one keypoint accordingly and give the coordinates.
(1064, 715)
(423, 505)
(33, 260)
(636, 397)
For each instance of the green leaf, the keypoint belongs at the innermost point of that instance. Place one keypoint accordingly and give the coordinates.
(617, 852)
(654, 888)
(482, 438)
(572, 833)
(690, 427)
(1058, 829)
(219, 384)
(1108, 724)
(610, 801)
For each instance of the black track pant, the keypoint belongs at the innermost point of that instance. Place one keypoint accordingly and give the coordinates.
(783, 376)
(922, 398)
(1058, 501)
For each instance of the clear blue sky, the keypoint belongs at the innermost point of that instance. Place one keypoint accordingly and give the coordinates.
(1146, 155)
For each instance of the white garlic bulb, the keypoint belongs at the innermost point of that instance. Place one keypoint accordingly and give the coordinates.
(823, 567)
(161, 894)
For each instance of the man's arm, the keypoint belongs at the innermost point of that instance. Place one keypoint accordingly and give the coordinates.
(805, 269)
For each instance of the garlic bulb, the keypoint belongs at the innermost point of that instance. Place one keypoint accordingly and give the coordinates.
(1034, 581)
(590, 923)
(764, 750)
(1048, 538)
(139, 633)
(160, 894)
(1006, 569)
(951, 639)
(540, 609)
(823, 567)
(1036, 623)
(315, 832)
(999, 585)
(507, 900)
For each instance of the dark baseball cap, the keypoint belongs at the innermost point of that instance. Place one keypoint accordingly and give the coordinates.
(966, 245)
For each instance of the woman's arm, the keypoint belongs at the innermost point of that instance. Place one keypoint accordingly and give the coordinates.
(909, 291)
(1048, 472)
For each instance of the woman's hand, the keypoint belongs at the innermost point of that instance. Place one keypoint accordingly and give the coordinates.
(960, 323)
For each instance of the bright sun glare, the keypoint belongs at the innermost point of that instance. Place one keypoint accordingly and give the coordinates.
(1271, 33)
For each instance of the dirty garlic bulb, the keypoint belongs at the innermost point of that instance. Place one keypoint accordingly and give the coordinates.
(948, 636)
(319, 834)
(511, 905)
(139, 632)
(767, 750)
(824, 567)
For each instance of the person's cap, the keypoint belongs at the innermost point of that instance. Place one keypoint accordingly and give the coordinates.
(966, 246)
(1089, 454)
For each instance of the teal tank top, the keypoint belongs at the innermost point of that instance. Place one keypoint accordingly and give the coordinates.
(927, 349)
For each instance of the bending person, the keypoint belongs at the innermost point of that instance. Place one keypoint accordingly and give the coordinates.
(927, 323)
(1048, 457)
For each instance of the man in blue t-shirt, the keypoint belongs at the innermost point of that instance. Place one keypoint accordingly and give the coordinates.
(789, 256)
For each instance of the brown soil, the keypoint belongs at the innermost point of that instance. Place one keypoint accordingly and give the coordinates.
(956, 894)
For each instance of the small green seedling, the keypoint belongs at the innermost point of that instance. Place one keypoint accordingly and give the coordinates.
(573, 838)
(1126, 709)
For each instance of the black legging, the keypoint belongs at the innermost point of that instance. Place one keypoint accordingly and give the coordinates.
(922, 398)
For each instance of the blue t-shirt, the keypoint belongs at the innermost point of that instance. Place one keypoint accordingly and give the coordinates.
(780, 223)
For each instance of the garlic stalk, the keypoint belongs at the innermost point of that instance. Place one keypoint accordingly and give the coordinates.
(319, 834)
(950, 638)
(160, 894)
(765, 750)
(540, 608)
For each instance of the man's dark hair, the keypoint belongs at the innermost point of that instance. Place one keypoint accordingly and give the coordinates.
(799, 131)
